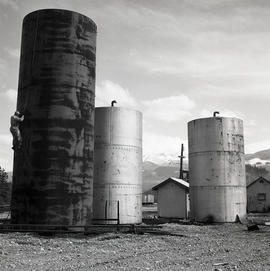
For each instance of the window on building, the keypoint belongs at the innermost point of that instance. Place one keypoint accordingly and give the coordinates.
(261, 196)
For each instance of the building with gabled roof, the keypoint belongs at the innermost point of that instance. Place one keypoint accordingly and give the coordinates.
(258, 195)
(172, 198)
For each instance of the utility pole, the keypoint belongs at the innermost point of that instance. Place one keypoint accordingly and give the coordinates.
(181, 176)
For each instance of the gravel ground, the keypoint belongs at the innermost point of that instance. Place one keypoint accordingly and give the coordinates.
(215, 247)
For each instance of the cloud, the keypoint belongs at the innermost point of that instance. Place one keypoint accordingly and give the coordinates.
(11, 95)
(5, 139)
(223, 113)
(257, 161)
(11, 3)
(109, 91)
(14, 52)
(161, 148)
(157, 148)
(3, 66)
(237, 87)
(168, 109)
(257, 146)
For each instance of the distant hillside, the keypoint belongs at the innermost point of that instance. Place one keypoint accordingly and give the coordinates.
(263, 155)
(153, 174)
(147, 165)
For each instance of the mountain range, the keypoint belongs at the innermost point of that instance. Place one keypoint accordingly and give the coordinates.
(259, 158)
(257, 164)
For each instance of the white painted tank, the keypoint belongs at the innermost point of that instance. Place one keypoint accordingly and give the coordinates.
(217, 169)
(118, 165)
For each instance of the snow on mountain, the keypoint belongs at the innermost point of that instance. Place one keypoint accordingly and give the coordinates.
(261, 158)
(161, 158)
(258, 162)
(163, 166)
(170, 159)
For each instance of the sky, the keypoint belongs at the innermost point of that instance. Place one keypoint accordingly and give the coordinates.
(174, 60)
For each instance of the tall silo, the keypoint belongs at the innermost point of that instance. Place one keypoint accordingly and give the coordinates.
(118, 165)
(53, 169)
(217, 169)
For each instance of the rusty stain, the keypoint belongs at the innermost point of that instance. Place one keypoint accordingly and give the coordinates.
(53, 173)
(118, 134)
(217, 169)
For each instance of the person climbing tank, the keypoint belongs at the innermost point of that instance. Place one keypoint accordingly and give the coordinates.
(15, 123)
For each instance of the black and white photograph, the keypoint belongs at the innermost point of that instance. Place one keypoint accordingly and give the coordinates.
(134, 135)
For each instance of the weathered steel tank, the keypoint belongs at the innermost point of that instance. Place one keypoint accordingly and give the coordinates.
(53, 170)
(217, 169)
(118, 165)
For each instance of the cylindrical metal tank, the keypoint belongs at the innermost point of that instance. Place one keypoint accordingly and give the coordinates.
(217, 169)
(53, 170)
(118, 165)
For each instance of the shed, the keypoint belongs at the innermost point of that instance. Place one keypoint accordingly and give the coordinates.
(258, 195)
(172, 198)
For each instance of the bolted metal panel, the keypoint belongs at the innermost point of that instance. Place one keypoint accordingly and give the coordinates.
(118, 164)
(53, 170)
(217, 169)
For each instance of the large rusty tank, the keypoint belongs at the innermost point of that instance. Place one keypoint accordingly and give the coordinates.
(118, 165)
(53, 170)
(217, 169)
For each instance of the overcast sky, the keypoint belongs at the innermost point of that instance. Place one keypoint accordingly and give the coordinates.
(174, 60)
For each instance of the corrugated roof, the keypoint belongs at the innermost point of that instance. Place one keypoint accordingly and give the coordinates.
(175, 180)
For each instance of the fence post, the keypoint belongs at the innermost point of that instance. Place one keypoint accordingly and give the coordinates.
(106, 209)
(118, 215)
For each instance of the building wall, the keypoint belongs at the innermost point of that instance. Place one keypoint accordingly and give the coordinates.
(172, 201)
(255, 197)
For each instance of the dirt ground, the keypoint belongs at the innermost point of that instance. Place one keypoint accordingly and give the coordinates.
(211, 247)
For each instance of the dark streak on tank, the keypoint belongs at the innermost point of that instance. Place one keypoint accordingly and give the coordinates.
(53, 172)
